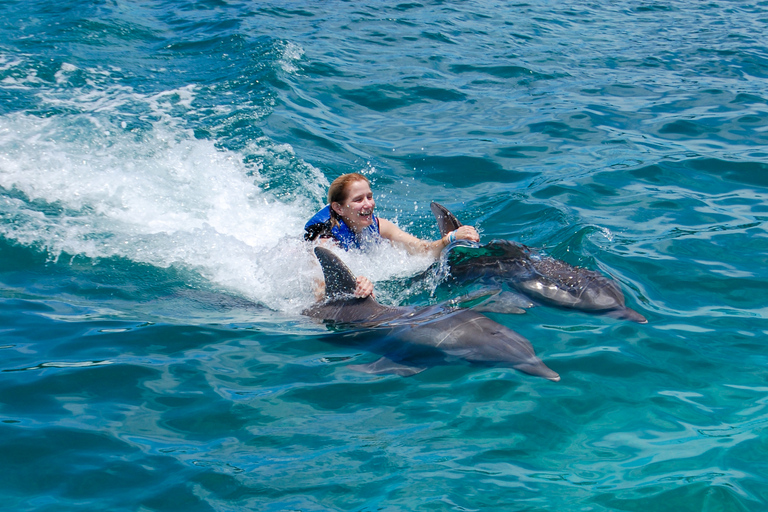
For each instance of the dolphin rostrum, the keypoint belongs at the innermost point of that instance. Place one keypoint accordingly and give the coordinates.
(539, 277)
(413, 338)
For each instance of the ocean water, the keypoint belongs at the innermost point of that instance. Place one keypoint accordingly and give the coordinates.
(158, 161)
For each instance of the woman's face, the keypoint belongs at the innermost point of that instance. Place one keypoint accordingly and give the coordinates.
(357, 208)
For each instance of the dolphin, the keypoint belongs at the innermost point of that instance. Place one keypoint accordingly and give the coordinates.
(411, 339)
(538, 277)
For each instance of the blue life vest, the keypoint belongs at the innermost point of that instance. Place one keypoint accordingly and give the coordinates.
(320, 225)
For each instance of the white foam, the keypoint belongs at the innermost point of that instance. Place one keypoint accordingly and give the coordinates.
(7, 62)
(291, 54)
(63, 72)
(162, 200)
(83, 183)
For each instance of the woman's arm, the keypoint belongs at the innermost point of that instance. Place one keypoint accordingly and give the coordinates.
(415, 245)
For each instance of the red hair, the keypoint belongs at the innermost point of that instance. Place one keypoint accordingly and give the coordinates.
(337, 192)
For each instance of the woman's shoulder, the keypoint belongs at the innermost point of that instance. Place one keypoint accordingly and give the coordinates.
(319, 225)
(386, 226)
(321, 217)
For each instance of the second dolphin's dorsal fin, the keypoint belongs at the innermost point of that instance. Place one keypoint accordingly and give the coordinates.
(339, 280)
(445, 219)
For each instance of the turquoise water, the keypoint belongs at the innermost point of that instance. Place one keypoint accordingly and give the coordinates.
(159, 159)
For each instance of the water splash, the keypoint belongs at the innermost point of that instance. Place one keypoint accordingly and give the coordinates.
(90, 183)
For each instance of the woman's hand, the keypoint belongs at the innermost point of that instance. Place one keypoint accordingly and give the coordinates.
(364, 287)
(467, 233)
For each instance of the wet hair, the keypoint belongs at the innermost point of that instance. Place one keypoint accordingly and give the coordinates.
(337, 192)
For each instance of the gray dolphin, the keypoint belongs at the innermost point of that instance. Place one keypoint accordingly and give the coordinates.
(411, 339)
(539, 277)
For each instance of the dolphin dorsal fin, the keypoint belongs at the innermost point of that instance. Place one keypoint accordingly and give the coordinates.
(445, 219)
(339, 280)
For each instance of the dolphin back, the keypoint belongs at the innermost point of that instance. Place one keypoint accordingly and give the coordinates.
(339, 280)
(445, 219)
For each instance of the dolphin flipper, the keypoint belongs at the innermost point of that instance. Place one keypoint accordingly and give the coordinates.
(506, 303)
(446, 221)
(387, 366)
(492, 300)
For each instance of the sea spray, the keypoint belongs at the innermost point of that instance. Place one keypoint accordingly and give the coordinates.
(166, 198)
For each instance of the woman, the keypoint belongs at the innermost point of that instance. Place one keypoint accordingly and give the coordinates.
(348, 219)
